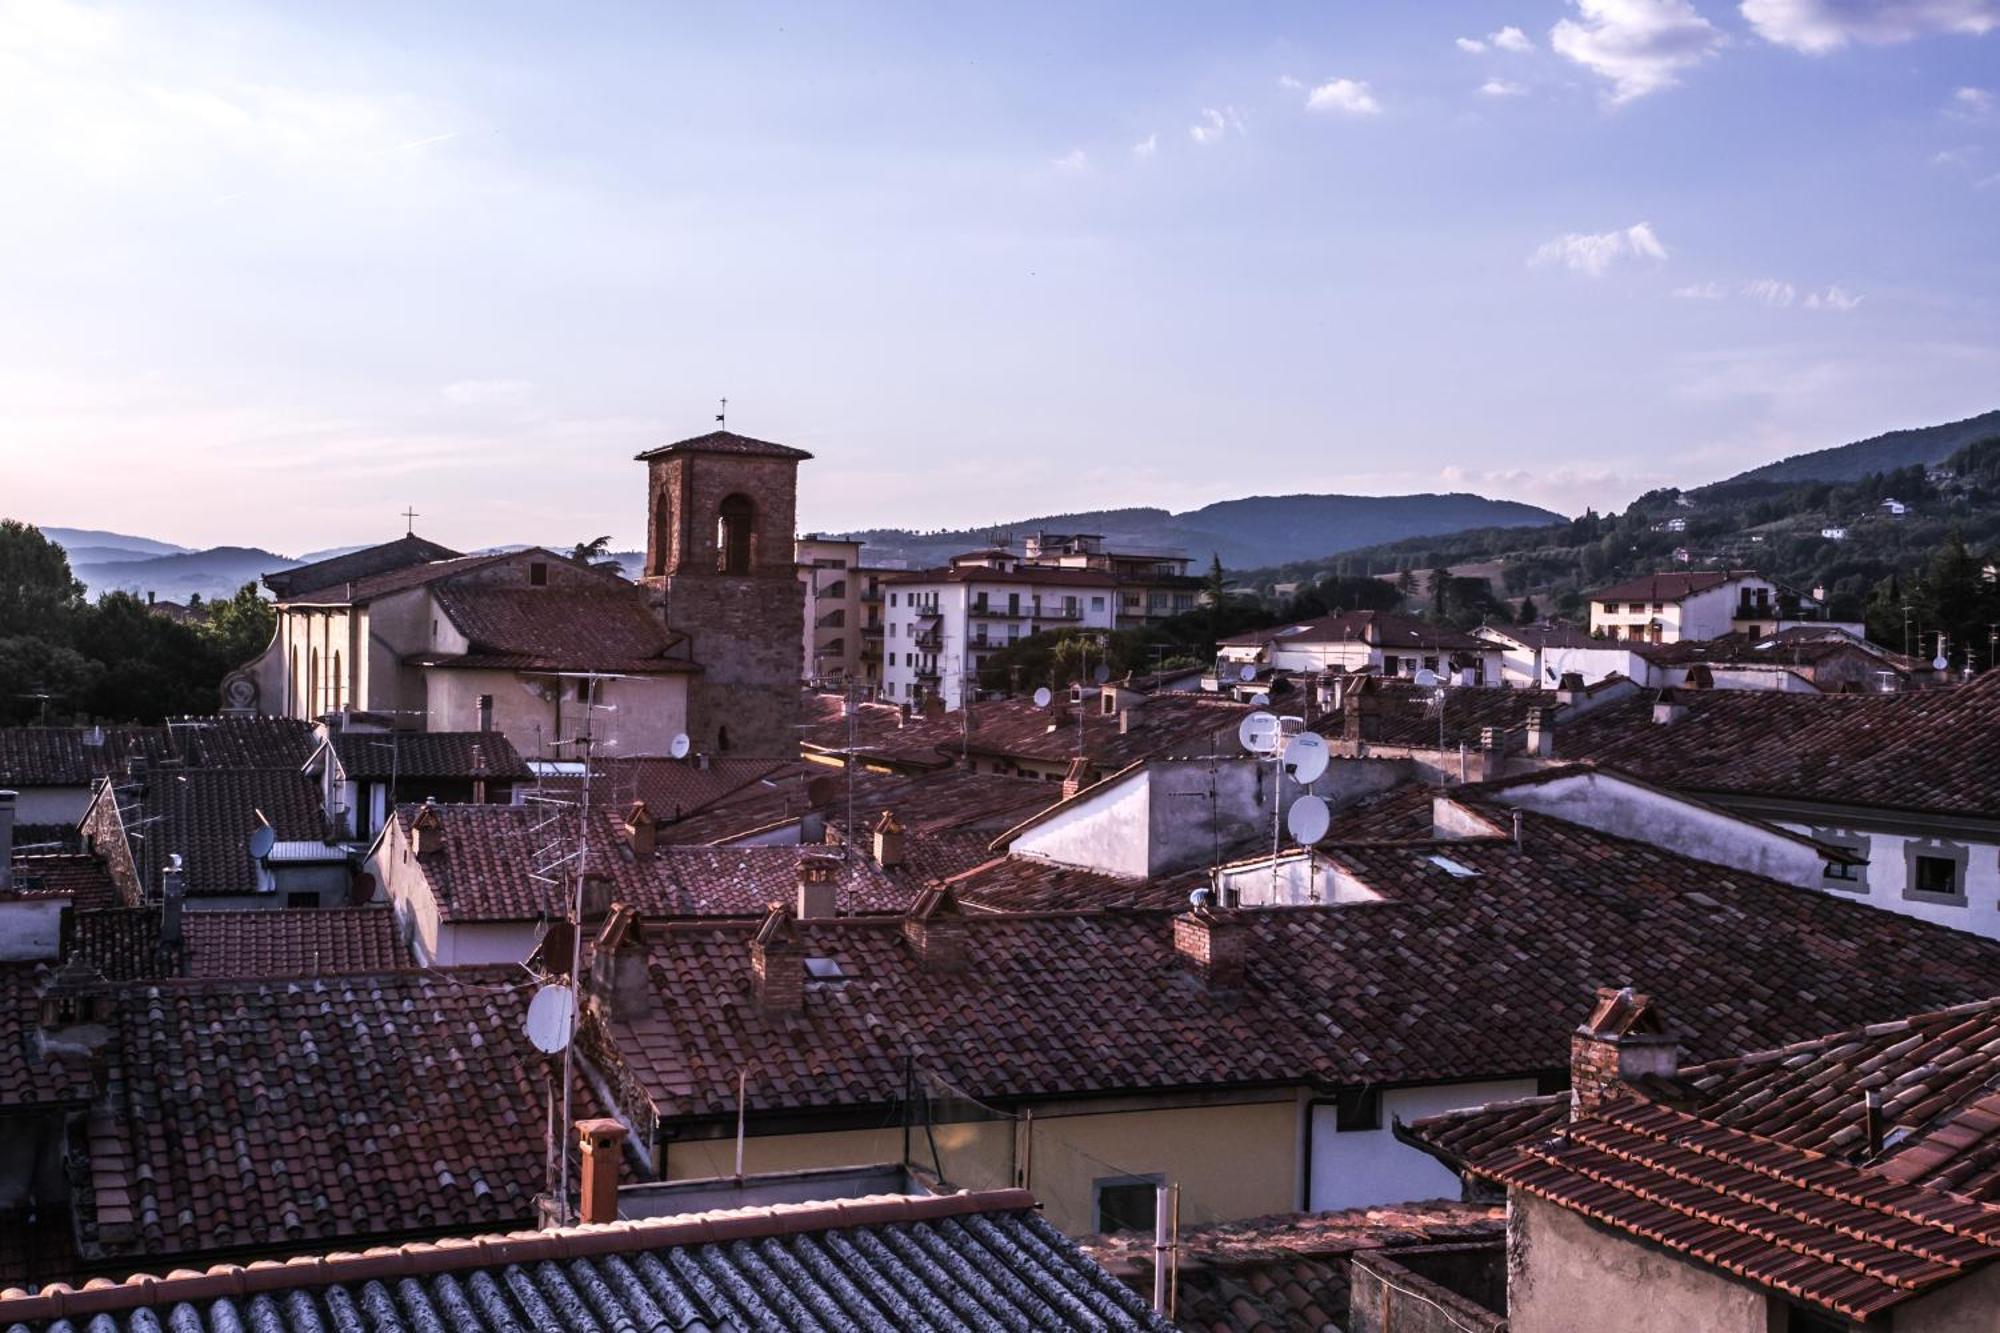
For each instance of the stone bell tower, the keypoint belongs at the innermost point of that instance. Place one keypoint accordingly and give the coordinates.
(720, 517)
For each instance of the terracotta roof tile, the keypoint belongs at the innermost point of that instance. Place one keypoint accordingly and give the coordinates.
(1381, 629)
(569, 628)
(725, 442)
(1671, 587)
(85, 880)
(377, 756)
(123, 942)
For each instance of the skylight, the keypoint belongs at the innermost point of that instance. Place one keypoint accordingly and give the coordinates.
(1456, 869)
(825, 969)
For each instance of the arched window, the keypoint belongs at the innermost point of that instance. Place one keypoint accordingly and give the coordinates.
(663, 532)
(732, 535)
(313, 701)
(336, 686)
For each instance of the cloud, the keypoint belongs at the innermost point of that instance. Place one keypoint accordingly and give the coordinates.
(488, 393)
(1073, 162)
(1641, 46)
(1701, 291)
(1512, 39)
(1348, 96)
(1594, 253)
(1970, 104)
(1470, 45)
(1147, 146)
(1289, 84)
(1818, 26)
(1215, 126)
(1833, 298)
(1502, 88)
(1962, 156)
(1771, 292)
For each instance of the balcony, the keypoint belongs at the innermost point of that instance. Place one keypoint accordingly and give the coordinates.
(1058, 613)
(929, 673)
(990, 611)
(929, 642)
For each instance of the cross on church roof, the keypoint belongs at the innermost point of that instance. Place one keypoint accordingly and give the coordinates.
(410, 517)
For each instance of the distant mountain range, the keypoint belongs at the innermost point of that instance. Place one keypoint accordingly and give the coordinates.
(1925, 445)
(1259, 530)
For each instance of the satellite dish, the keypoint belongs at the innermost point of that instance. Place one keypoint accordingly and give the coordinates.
(1939, 663)
(1259, 733)
(1247, 671)
(1260, 699)
(549, 1015)
(679, 746)
(1308, 820)
(1043, 698)
(1101, 674)
(1425, 677)
(262, 841)
(1306, 756)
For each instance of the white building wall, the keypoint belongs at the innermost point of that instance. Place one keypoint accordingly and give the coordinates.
(965, 636)
(1364, 1167)
(1886, 879)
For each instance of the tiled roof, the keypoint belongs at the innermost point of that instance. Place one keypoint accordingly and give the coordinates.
(607, 628)
(292, 1113)
(63, 757)
(1546, 634)
(1829, 1234)
(29, 1076)
(947, 800)
(956, 1261)
(1667, 587)
(488, 869)
(123, 942)
(377, 756)
(1050, 576)
(674, 789)
(208, 815)
(1451, 977)
(85, 880)
(336, 571)
(1917, 750)
(725, 442)
(1474, 1134)
(1396, 712)
(1165, 724)
(401, 579)
(1288, 1271)
(1027, 884)
(1380, 629)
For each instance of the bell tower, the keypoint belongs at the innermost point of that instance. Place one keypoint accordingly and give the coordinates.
(721, 511)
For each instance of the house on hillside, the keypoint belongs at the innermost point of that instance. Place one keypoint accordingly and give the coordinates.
(1378, 642)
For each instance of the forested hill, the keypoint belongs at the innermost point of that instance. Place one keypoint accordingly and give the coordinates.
(1923, 447)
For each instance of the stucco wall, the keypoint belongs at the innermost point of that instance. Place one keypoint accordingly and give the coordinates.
(51, 805)
(1970, 1305)
(1886, 879)
(1362, 1167)
(1565, 1275)
(31, 929)
(643, 716)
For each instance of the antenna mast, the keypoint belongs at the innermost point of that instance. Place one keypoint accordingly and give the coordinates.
(576, 940)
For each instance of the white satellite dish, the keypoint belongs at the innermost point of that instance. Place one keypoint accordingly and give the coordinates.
(1101, 674)
(1260, 699)
(1308, 820)
(1939, 663)
(1426, 677)
(679, 746)
(1259, 733)
(1246, 672)
(1306, 756)
(1043, 698)
(549, 1015)
(262, 840)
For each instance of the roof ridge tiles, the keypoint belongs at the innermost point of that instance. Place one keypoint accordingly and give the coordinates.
(422, 1258)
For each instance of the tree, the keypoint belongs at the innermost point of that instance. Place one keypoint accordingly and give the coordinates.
(1529, 615)
(38, 593)
(239, 628)
(585, 553)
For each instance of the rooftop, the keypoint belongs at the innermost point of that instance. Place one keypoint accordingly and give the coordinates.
(607, 627)
(207, 816)
(75, 756)
(124, 942)
(725, 442)
(1382, 629)
(336, 571)
(1669, 587)
(367, 756)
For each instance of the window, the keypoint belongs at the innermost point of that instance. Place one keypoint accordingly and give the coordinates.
(1845, 871)
(1658, 607)
(583, 690)
(1126, 1203)
(732, 535)
(1934, 874)
(892, 599)
(1097, 603)
(301, 901)
(538, 573)
(1357, 1110)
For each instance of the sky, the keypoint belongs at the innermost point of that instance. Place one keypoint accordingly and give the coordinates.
(269, 275)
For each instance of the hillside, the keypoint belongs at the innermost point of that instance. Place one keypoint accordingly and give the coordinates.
(104, 544)
(214, 573)
(1257, 530)
(1925, 446)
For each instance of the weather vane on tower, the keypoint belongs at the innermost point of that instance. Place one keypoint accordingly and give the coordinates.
(722, 417)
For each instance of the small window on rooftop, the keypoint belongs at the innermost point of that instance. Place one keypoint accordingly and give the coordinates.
(538, 574)
(1357, 1110)
(824, 969)
(1456, 869)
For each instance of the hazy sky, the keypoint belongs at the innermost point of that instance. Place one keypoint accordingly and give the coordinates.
(269, 274)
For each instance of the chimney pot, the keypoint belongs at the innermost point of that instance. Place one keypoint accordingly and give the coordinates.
(1541, 740)
(1622, 1042)
(1079, 776)
(641, 830)
(1212, 943)
(602, 1142)
(936, 930)
(1871, 1121)
(819, 887)
(889, 841)
(777, 963)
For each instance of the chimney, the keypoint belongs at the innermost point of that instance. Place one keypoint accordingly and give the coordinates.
(935, 928)
(1569, 689)
(1212, 942)
(602, 1142)
(1124, 721)
(7, 800)
(1871, 1123)
(1078, 777)
(888, 841)
(619, 985)
(596, 895)
(819, 887)
(1622, 1042)
(1668, 708)
(1541, 737)
(486, 712)
(173, 896)
(778, 963)
(641, 830)
(427, 830)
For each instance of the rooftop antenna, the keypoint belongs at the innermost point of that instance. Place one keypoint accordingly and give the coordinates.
(410, 517)
(722, 416)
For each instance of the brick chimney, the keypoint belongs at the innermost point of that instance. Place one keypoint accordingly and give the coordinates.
(1212, 943)
(427, 830)
(602, 1143)
(1541, 736)
(7, 800)
(819, 887)
(619, 983)
(935, 927)
(1623, 1041)
(1080, 775)
(641, 830)
(778, 963)
(889, 851)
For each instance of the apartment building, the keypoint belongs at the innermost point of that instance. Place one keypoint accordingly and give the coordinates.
(941, 625)
(1152, 585)
(843, 619)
